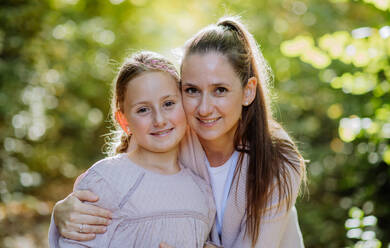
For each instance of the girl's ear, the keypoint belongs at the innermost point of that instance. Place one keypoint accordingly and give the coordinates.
(249, 91)
(121, 119)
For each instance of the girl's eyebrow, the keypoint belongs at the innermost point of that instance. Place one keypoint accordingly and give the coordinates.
(147, 102)
(213, 84)
(168, 96)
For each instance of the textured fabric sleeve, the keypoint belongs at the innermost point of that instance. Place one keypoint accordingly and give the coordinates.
(209, 197)
(276, 220)
(54, 235)
(78, 179)
(108, 199)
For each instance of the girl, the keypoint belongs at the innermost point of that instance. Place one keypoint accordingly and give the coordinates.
(151, 196)
(254, 168)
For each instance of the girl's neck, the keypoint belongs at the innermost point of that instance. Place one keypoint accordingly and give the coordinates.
(160, 162)
(218, 151)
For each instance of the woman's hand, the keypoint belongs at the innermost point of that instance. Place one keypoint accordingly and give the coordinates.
(165, 245)
(80, 221)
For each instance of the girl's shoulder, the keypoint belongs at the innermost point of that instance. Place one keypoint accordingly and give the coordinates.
(201, 183)
(111, 164)
(117, 171)
(197, 179)
(206, 192)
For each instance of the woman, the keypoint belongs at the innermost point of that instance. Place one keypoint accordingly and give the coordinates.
(252, 165)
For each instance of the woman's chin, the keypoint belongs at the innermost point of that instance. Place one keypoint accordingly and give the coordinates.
(208, 136)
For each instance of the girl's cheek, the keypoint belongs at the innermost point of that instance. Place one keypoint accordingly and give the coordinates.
(180, 115)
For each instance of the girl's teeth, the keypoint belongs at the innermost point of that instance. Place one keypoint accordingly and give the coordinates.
(162, 132)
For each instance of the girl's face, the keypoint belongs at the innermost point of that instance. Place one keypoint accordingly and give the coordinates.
(154, 111)
(212, 96)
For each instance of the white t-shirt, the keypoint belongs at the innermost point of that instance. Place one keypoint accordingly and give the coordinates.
(219, 176)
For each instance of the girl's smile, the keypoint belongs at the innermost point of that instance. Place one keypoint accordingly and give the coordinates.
(154, 111)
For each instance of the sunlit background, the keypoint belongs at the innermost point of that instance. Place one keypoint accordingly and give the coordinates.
(331, 63)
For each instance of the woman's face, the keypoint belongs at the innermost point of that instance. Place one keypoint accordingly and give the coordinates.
(212, 96)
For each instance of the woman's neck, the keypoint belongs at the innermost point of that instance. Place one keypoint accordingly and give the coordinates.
(160, 162)
(218, 151)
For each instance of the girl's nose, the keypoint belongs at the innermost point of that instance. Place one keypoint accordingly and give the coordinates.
(159, 119)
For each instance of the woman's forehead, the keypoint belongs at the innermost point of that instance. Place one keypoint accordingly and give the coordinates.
(209, 68)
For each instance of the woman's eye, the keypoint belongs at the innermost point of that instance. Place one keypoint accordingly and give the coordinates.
(142, 110)
(191, 90)
(220, 90)
(169, 103)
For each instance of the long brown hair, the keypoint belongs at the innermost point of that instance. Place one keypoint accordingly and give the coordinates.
(271, 157)
(135, 65)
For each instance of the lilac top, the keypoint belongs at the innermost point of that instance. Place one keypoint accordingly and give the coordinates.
(148, 208)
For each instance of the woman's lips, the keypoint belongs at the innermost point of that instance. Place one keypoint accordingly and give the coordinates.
(162, 133)
(208, 122)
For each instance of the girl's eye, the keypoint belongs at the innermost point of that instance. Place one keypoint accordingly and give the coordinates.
(220, 90)
(191, 90)
(142, 110)
(169, 103)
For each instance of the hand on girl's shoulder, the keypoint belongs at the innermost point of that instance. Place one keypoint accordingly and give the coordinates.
(108, 178)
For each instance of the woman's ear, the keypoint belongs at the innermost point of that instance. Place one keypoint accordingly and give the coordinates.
(249, 91)
(121, 119)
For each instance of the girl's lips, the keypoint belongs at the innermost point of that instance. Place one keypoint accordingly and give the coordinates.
(208, 122)
(162, 133)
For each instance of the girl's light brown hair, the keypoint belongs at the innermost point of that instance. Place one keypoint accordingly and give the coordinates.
(272, 159)
(135, 65)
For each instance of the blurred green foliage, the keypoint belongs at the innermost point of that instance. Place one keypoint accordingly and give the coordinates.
(332, 82)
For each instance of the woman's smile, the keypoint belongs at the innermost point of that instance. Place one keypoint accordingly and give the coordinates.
(212, 96)
(209, 122)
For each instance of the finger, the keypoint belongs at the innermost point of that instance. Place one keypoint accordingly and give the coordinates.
(95, 211)
(79, 236)
(83, 228)
(96, 229)
(164, 245)
(92, 220)
(86, 195)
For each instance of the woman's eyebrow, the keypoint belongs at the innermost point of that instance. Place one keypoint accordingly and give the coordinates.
(213, 84)
(220, 84)
(187, 84)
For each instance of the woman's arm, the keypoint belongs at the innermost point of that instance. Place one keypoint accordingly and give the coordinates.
(108, 199)
(281, 232)
(165, 245)
(279, 227)
(69, 214)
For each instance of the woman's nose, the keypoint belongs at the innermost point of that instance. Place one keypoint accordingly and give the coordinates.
(205, 106)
